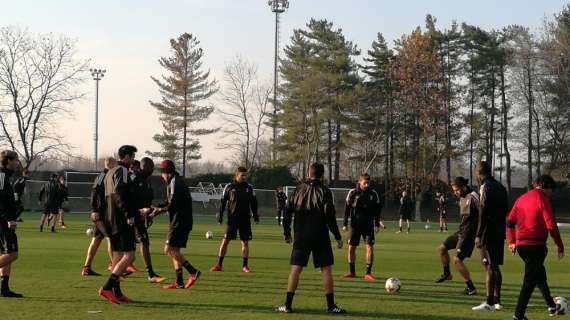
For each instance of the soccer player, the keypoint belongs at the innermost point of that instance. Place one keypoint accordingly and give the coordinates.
(97, 217)
(239, 197)
(363, 207)
(406, 209)
(19, 188)
(140, 173)
(493, 209)
(441, 205)
(529, 223)
(8, 215)
(179, 208)
(464, 239)
(314, 217)
(50, 196)
(119, 218)
(63, 193)
(281, 201)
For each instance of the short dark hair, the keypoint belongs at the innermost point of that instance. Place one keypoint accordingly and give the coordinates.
(483, 168)
(7, 155)
(460, 182)
(146, 161)
(316, 170)
(241, 169)
(136, 163)
(364, 176)
(545, 181)
(127, 150)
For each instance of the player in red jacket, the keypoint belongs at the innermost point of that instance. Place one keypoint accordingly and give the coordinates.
(528, 226)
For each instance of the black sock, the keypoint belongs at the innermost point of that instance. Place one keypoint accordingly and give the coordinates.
(470, 285)
(4, 287)
(400, 229)
(179, 279)
(117, 289)
(244, 262)
(446, 270)
(150, 271)
(289, 299)
(352, 266)
(490, 300)
(220, 261)
(497, 300)
(368, 268)
(110, 284)
(189, 267)
(330, 300)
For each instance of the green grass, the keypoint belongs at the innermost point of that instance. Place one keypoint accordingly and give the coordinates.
(49, 266)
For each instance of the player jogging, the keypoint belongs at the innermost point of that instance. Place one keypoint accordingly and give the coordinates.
(406, 209)
(281, 202)
(50, 196)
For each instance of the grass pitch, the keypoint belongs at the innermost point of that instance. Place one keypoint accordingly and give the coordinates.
(48, 274)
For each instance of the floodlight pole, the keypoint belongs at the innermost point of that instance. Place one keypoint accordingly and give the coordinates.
(97, 74)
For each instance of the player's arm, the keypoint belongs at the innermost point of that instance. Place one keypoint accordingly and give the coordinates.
(347, 208)
(511, 226)
(253, 205)
(223, 203)
(551, 225)
(377, 209)
(42, 193)
(330, 214)
(124, 193)
(8, 207)
(483, 212)
(288, 215)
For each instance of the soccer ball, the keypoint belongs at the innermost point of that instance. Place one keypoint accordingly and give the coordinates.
(427, 226)
(209, 235)
(90, 232)
(563, 304)
(393, 285)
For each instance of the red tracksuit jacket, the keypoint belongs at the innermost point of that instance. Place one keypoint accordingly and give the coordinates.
(531, 220)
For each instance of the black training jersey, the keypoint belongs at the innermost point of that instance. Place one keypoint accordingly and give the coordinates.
(493, 210)
(469, 213)
(8, 205)
(406, 205)
(19, 187)
(312, 208)
(281, 199)
(363, 208)
(241, 201)
(142, 189)
(179, 204)
(50, 193)
(98, 193)
(62, 193)
(119, 204)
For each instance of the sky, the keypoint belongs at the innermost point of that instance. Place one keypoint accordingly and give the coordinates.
(127, 37)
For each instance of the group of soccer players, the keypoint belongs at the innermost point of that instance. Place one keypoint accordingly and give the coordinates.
(53, 194)
(122, 210)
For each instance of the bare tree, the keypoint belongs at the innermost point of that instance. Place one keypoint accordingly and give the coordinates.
(38, 77)
(247, 103)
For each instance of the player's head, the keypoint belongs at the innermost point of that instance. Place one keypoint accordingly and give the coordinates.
(364, 181)
(9, 160)
(147, 167)
(545, 182)
(110, 163)
(135, 166)
(127, 154)
(279, 189)
(460, 187)
(483, 171)
(167, 170)
(54, 176)
(61, 179)
(25, 172)
(241, 174)
(316, 171)
(404, 193)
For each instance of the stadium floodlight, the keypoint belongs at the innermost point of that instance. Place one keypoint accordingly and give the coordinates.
(278, 7)
(97, 74)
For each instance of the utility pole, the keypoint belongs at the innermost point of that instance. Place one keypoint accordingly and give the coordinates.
(97, 74)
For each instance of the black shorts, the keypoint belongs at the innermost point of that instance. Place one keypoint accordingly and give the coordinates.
(406, 216)
(443, 214)
(493, 253)
(51, 210)
(244, 229)
(357, 233)
(141, 232)
(8, 239)
(124, 241)
(177, 237)
(322, 254)
(464, 247)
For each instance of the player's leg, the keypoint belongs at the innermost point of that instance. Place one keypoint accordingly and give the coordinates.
(488, 304)
(400, 223)
(230, 234)
(245, 255)
(353, 243)
(408, 225)
(328, 284)
(6, 261)
(174, 254)
(530, 280)
(448, 244)
(464, 272)
(43, 220)
(369, 261)
(292, 284)
(91, 252)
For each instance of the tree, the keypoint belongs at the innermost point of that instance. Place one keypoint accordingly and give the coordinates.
(246, 110)
(185, 86)
(39, 75)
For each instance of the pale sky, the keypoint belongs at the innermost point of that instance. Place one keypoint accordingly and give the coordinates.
(126, 37)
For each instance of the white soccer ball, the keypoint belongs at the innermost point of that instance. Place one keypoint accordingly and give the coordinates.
(563, 304)
(209, 235)
(90, 232)
(393, 285)
(427, 226)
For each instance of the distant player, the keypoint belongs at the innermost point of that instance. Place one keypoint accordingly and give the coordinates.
(63, 194)
(8, 216)
(314, 217)
(120, 214)
(239, 197)
(143, 196)
(441, 205)
(97, 217)
(281, 202)
(493, 209)
(406, 210)
(463, 241)
(363, 208)
(19, 188)
(179, 208)
(50, 196)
